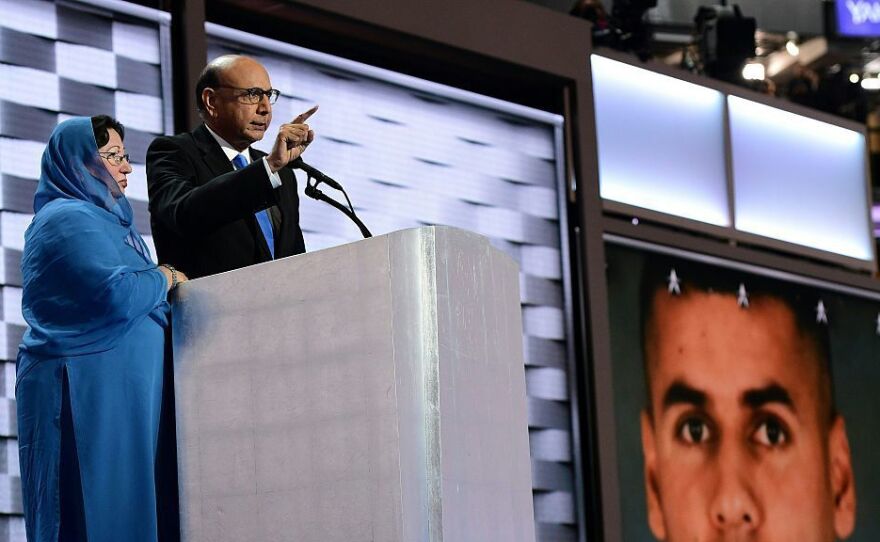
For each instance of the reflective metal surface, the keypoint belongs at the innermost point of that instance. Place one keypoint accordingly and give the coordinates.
(372, 391)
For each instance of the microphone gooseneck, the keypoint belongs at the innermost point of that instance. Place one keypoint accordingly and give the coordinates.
(315, 177)
(298, 163)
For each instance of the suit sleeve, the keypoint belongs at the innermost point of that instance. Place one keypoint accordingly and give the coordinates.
(191, 208)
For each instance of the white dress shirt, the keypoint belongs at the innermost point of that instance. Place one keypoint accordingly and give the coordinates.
(231, 153)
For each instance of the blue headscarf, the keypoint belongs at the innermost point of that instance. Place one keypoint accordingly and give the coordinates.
(72, 169)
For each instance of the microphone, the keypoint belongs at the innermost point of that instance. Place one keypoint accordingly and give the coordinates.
(312, 191)
(314, 173)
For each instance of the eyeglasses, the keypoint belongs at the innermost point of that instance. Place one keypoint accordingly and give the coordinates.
(255, 95)
(115, 158)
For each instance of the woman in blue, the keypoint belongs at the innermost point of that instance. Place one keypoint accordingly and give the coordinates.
(90, 366)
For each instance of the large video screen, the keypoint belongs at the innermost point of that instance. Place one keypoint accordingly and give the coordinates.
(746, 401)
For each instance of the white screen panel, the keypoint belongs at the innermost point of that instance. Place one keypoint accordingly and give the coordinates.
(85, 64)
(661, 142)
(136, 41)
(140, 112)
(12, 305)
(36, 17)
(12, 228)
(19, 84)
(799, 180)
(20, 158)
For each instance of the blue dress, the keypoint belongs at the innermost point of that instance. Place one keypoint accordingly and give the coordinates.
(89, 386)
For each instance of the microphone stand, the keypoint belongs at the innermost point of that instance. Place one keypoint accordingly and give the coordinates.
(314, 192)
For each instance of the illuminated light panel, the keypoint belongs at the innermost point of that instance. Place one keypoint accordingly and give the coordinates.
(670, 203)
(136, 41)
(86, 64)
(799, 180)
(139, 111)
(661, 142)
(19, 84)
(30, 16)
(12, 305)
(12, 228)
(544, 322)
(137, 183)
(21, 158)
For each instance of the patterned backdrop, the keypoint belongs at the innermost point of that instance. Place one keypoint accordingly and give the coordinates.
(56, 61)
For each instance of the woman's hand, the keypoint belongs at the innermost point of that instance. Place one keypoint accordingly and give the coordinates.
(168, 278)
(172, 276)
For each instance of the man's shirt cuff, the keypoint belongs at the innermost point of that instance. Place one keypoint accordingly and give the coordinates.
(274, 178)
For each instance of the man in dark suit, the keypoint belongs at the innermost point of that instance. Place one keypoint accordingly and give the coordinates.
(215, 203)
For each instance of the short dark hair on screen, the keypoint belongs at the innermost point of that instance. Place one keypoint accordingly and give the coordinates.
(100, 126)
(696, 277)
(209, 78)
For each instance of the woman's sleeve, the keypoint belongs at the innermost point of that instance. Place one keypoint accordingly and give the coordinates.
(77, 285)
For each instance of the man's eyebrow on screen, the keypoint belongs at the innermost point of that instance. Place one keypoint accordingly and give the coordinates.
(772, 393)
(680, 393)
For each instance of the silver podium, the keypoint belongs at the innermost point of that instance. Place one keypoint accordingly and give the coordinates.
(369, 392)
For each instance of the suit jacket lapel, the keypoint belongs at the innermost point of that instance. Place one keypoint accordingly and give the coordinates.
(219, 164)
(212, 154)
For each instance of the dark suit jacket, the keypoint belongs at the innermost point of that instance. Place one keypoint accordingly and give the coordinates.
(202, 212)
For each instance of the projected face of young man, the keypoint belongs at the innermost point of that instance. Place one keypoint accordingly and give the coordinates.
(740, 442)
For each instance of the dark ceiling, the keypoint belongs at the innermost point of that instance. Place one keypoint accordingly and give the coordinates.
(803, 16)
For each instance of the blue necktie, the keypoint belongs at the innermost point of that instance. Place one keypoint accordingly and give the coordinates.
(262, 216)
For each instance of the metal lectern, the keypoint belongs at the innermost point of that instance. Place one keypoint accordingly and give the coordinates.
(373, 391)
